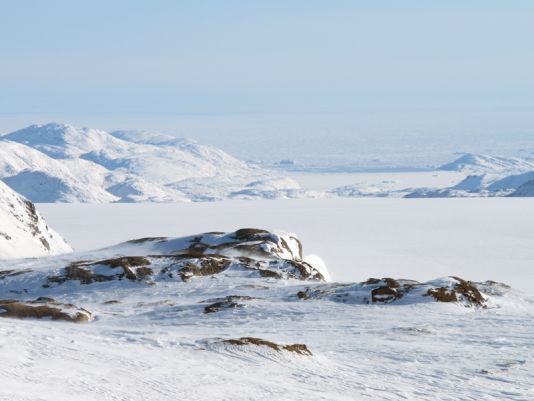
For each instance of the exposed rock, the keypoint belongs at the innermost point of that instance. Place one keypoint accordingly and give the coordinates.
(228, 302)
(146, 239)
(249, 252)
(24, 233)
(385, 294)
(462, 290)
(11, 273)
(251, 242)
(300, 349)
(42, 308)
(111, 302)
(87, 272)
(206, 265)
(388, 290)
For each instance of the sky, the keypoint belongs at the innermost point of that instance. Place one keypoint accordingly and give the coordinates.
(414, 64)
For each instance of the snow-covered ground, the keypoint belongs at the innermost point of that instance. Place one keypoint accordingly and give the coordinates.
(470, 175)
(368, 183)
(159, 337)
(357, 238)
(384, 352)
(149, 336)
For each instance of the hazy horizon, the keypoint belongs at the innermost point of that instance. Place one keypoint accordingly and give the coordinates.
(364, 140)
(336, 82)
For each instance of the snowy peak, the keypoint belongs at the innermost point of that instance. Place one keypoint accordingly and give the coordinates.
(479, 164)
(23, 232)
(61, 163)
(62, 141)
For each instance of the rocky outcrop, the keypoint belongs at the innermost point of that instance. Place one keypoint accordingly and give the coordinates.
(211, 275)
(246, 252)
(300, 349)
(43, 308)
(23, 232)
(388, 290)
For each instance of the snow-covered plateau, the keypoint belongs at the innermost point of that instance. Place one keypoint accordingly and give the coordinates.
(375, 299)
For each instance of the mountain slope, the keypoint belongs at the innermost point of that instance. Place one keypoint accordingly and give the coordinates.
(23, 232)
(524, 190)
(61, 163)
(488, 176)
(479, 164)
(41, 178)
(161, 163)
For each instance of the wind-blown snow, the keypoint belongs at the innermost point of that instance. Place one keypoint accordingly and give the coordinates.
(161, 337)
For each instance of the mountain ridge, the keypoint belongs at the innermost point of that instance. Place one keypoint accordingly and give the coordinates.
(61, 163)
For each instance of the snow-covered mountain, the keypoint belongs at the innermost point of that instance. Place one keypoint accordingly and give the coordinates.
(23, 232)
(488, 176)
(476, 164)
(524, 190)
(62, 163)
(469, 176)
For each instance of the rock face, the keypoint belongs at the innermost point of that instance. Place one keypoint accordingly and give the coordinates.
(23, 232)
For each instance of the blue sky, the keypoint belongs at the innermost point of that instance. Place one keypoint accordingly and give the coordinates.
(330, 82)
(272, 56)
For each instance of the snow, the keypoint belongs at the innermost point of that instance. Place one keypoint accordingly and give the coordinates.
(157, 343)
(150, 336)
(488, 176)
(421, 239)
(478, 164)
(154, 341)
(23, 232)
(525, 190)
(471, 175)
(61, 163)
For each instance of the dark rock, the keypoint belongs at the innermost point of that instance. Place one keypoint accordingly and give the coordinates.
(41, 308)
(300, 349)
